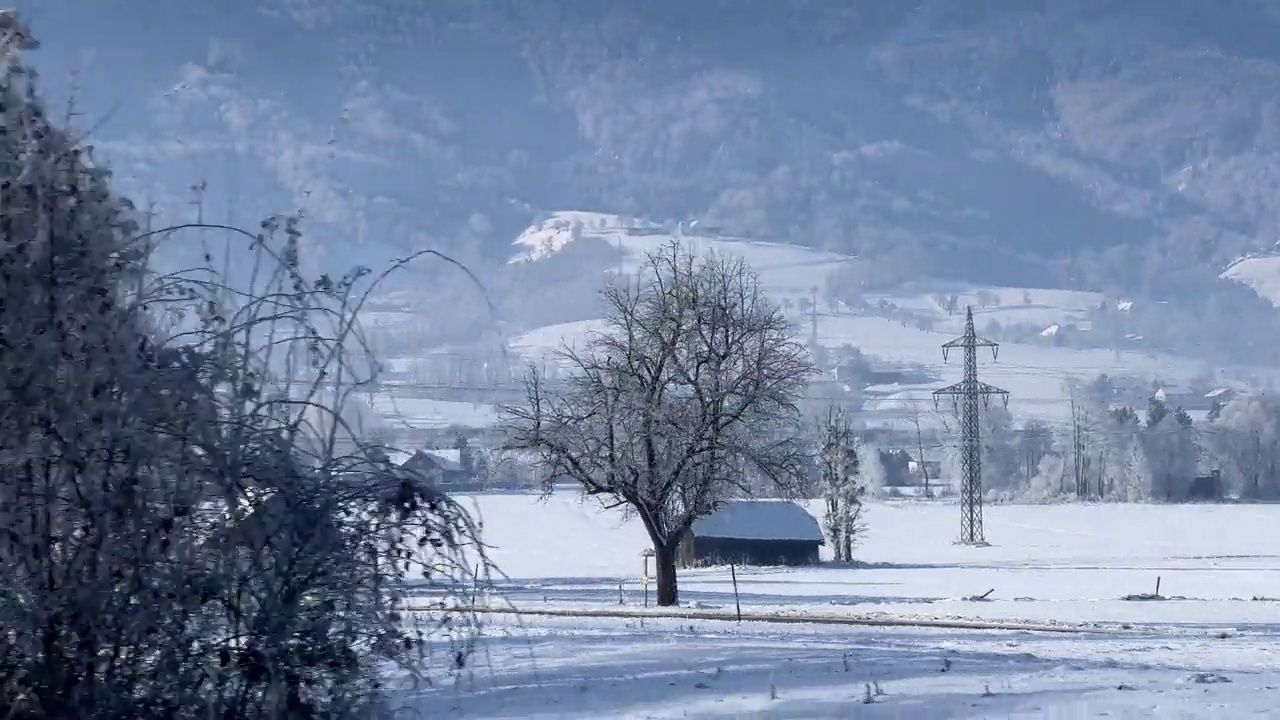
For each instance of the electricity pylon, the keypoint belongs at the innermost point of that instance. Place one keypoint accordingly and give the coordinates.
(968, 393)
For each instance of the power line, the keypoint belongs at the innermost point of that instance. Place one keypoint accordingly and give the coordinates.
(970, 392)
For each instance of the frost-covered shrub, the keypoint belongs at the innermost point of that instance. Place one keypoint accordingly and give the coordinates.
(178, 541)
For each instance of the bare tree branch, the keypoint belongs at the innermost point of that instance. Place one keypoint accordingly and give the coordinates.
(189, 526)
(693, 385)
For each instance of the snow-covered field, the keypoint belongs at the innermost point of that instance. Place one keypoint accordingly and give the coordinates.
(429, 414)
(1042, 307)
(1033, 375)
(1068, 564)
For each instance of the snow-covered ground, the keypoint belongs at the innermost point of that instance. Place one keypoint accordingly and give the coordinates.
(1261, 273)
(1033, 375)
(1042, 307)
(1066, 565)
(429, 414)
(579, 669)
(785, 270)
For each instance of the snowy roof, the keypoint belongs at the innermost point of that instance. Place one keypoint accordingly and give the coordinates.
(759, 520)
(453, 455)
(430, 458)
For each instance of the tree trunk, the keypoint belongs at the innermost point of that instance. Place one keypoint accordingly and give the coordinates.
(846, 544)
(664, 557)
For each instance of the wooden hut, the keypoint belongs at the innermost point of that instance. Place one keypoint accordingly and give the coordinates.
(753, 532)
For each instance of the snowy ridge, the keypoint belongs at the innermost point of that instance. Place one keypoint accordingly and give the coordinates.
(785, 270)
(906, 325)
(1260, 273)
(548, 237)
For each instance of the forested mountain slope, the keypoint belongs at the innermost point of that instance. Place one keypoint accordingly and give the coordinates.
(1091, 143)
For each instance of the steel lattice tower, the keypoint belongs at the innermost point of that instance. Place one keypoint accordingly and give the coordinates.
(968, 393)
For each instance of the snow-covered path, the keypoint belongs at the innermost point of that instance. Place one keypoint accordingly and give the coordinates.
(577, 668)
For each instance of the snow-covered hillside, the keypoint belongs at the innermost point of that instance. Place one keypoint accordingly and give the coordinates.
(1033, 375)
(906, 325)
(785, 270)
(1261, 273)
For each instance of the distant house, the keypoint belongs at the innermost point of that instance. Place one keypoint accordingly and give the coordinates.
(918, 470)
(1220, 396)
(897, 468)
(1206, 487)
(435, 467)
(452, 469)
(1175, 397)
(753, 532)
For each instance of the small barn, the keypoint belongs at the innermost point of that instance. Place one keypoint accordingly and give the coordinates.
(753, 532)
(1206, 488)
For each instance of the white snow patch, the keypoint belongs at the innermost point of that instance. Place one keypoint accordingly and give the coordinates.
(429, 414)
(785, 270)
(1260, 273)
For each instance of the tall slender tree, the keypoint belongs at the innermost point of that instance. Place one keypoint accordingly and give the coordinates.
(840, 482)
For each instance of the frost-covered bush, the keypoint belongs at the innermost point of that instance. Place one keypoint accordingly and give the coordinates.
(178, 541)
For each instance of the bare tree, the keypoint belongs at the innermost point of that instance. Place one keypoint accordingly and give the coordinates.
(924, 466)
(840, 482)
(692, 387)
(1245, 442)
